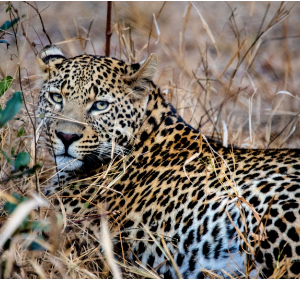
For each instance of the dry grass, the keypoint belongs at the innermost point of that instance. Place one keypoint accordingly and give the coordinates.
(220, 64)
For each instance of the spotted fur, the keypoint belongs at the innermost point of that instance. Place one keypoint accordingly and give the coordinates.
(172, 182)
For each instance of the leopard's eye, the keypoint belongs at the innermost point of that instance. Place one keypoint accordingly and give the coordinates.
(100, 105)
(57, 98)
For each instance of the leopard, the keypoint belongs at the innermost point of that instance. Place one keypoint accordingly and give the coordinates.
(180, 201)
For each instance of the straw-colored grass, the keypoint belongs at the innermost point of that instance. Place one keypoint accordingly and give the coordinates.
(230, 69)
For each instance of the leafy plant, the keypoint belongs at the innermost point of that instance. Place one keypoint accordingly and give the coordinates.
(4, 41)
(5, 83)
(27, 226)
(23, 159)
(13, 106)
(7, 25)
(10, 206)
(20, 132)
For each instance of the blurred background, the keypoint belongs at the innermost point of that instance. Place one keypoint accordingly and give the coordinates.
(230, 68)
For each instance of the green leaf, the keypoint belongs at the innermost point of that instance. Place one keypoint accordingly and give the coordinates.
(13, 106)
(86, 204)
(40, 226)
(35, 246)
(23, 159)
(8, 24)
(9, 160)
(5, 83)
(4, 41)
(10, 207)
(21, 132)
(27, 172)
(8, 8)
(5, 25)
(18, 197)
(32, 170)
(41, 115)
(12, 152)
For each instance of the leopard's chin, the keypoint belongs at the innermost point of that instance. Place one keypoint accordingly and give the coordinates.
(68, 163)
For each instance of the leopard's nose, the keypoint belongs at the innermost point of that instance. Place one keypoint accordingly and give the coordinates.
(68, 139)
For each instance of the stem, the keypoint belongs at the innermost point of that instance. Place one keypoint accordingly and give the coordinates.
(43, 26)
(108, 29)
(31, 44)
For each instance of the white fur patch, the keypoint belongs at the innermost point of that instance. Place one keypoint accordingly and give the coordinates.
(68, 163)
(51, 51)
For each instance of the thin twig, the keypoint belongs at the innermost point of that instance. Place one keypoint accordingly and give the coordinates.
(151, 26)
(43, 26)
(88, 34)
(108, 29)
(31, 44)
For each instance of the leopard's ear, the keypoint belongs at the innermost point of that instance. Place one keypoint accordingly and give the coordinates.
(49, 57)
(143, 73)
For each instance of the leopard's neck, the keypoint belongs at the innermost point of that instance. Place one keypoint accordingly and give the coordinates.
(160, 122)
(159, 114)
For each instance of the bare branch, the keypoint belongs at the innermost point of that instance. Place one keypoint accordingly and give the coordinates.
(43, 26)
(108, 29)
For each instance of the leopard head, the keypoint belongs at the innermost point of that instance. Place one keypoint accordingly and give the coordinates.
(92, 106)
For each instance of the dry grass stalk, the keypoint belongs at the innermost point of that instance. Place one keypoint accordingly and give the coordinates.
(206, 27)
(171, 258)
(108, 249)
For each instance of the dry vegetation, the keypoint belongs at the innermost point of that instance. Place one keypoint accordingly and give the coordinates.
(230, 69)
